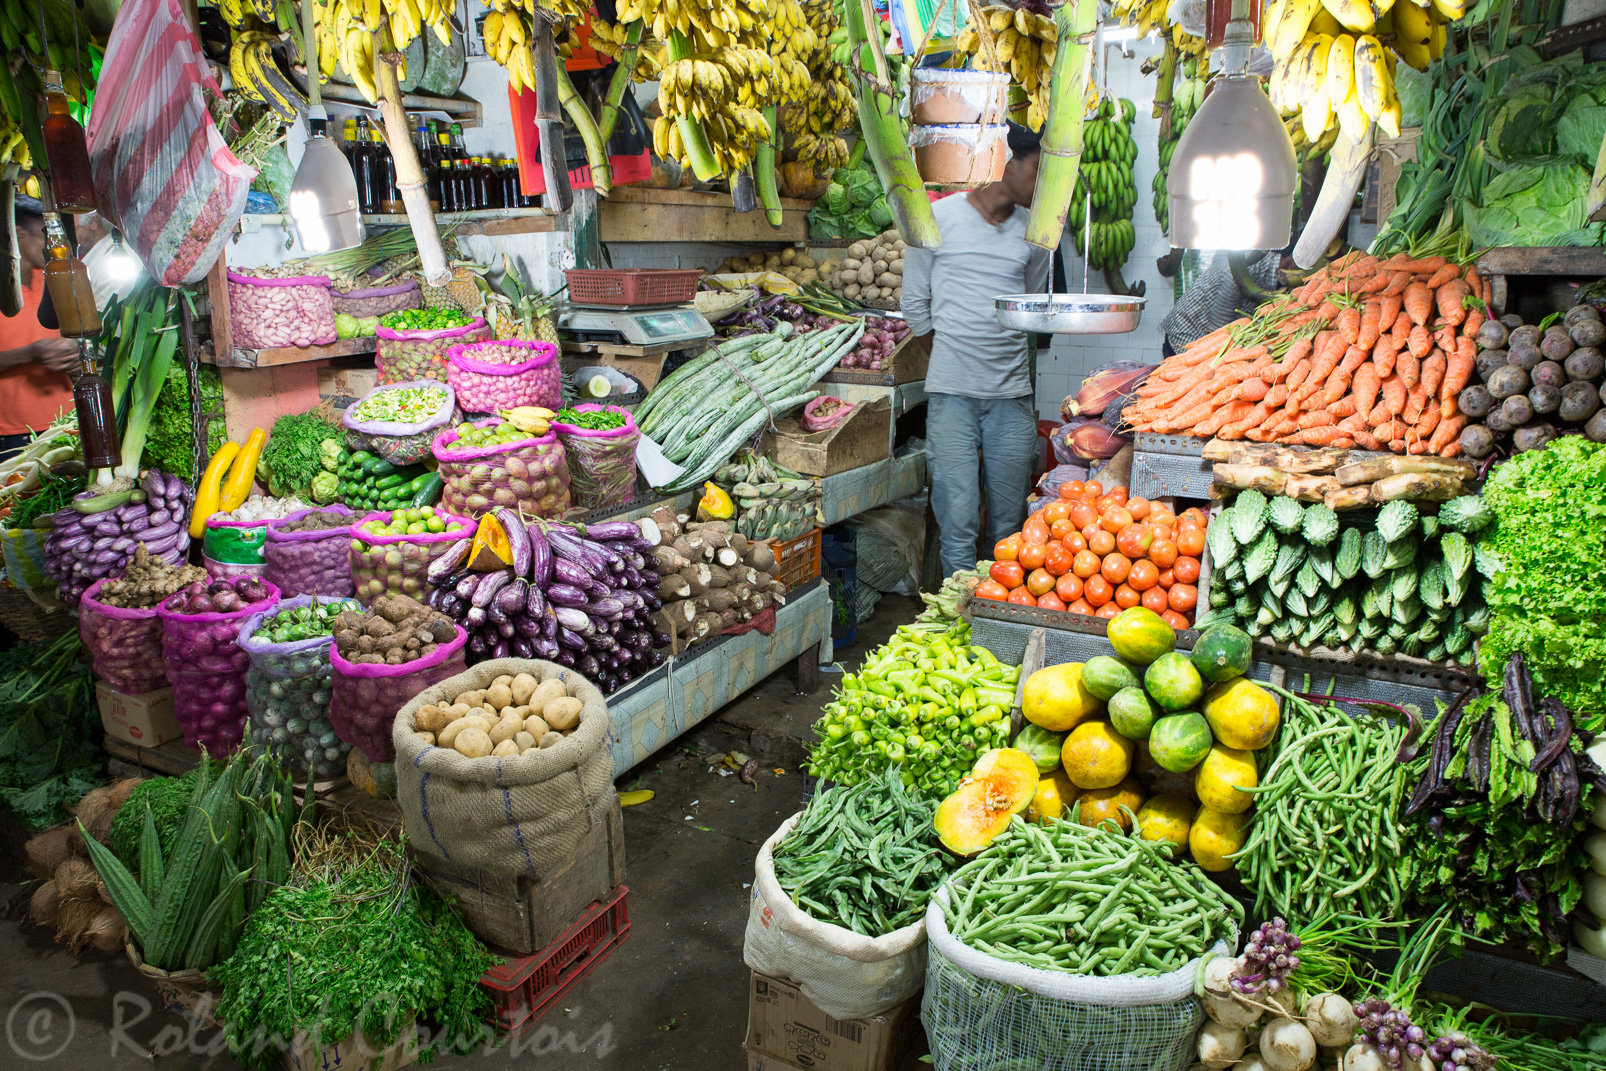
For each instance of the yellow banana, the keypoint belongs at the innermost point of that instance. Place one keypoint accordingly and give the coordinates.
(1352, 119)
(1450, 10)
(1271, 15)
(1324, 22)
(1296, 21)
(1317, 114)
(1413, 29)
(998, 18)
(1372, 81)
(1436, 40)
(1341, 69)
(1023, 22)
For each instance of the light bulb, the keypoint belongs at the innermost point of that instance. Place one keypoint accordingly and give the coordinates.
(1232, 174)
(121, 264)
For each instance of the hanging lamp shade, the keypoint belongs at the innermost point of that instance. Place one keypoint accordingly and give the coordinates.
(1232, 175)
(323, 197)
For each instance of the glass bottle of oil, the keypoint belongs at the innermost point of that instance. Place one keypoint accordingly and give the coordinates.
(68, 282)
(66, 151)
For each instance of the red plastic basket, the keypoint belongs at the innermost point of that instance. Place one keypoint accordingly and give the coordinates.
(523, 988)
(632, 286)
(797, 560)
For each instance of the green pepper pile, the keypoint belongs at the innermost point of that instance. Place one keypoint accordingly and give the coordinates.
(425, 319)
(306, 622)
(372, 483)
(591, 419)
(926, 699)
(864, 857)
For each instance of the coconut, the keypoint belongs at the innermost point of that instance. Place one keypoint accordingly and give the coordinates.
(49, 850)
(76, 880)
(43, 905)
(107, 931)
(73, 921)
(121, 789)
(96, 811)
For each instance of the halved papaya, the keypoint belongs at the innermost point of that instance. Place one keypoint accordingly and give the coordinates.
(1001, 785)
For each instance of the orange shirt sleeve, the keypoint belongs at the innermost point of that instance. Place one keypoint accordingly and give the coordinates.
(30, 395)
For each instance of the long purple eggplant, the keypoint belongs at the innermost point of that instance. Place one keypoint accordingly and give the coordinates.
(522, 648)
(573, 619)
(448, 563)
(609, 530)
(466, 587)
(511, 599)
(534, 601)
(612, 609)
(527, 626)
(475, 617)
(570, 639)
(588, 666)
(549, 623)
(564, 657)
(566, 595)
(519, 544)
(567, 572)
(487, 589)
(540, 556)
(547, 649)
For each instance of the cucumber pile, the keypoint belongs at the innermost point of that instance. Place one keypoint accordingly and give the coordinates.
(368, 482)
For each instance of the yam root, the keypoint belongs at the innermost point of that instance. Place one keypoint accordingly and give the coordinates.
(760, 556)
(1428, 486)
(1373, 469)
(1347, 498)
(1310, 488)
(1258, 477)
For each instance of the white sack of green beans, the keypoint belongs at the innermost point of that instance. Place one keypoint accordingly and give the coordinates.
(861, 854)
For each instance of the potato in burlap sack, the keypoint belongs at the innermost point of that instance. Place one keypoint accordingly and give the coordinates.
(518, 814)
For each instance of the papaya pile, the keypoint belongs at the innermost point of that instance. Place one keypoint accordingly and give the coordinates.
(1145, 736)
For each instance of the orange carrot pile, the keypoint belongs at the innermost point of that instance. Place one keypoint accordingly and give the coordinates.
(1367, 353)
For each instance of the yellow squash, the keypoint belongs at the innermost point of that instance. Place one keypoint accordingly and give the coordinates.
(208, 490)
(237, 487)
(715, 505)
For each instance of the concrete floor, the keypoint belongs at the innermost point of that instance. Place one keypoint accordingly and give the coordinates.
(672, 996)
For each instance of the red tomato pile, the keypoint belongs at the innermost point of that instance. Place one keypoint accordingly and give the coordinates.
(1099, 552)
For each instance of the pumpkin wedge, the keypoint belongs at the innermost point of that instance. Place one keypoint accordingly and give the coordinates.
(1000, 786)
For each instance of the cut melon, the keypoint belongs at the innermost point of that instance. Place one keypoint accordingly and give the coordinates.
(1001, 785)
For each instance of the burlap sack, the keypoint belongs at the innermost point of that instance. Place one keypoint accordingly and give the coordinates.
(519, 815)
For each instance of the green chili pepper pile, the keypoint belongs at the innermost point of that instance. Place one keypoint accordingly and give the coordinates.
(402, 405)
(865, 857)
(1067, 897)
(425, 319)
(592, 419)
(926, 699)
(1326, 838)
(306, 622)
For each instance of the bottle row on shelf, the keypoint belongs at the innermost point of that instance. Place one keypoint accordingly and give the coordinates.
(458, 182)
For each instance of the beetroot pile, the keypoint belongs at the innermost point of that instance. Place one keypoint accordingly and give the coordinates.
(218, 596)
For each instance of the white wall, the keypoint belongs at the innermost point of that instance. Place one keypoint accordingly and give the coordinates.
(1061, 368)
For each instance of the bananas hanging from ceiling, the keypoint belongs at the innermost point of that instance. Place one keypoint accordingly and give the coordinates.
(256, 74)
(1108, 154)
(828, 106)
(1018, 41)
(1335, 59)
(13, 147)
(1150, 16)
(608, 39)
(346, 33)
(1186, 96)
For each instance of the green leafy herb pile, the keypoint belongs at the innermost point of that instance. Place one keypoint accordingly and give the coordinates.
(47, 708)
(55, 492)
(592, 419)
(169, 445)
(352, 945)
(1549, 597)
(295, 452)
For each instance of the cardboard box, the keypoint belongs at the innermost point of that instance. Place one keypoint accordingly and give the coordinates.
(1386, 161)
(146, 720)
(862, 439)
(785, 1031)
(346, 384)
(350, 1054)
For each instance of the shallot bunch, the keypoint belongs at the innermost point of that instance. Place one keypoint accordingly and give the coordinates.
(1268, 959)
(1390, 1031)
(1457, 1052)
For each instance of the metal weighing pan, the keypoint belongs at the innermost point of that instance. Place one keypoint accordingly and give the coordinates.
(1070, 314)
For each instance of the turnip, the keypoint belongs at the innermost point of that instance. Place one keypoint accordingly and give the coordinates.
(1219, 1002)
(1363, 1057)
(1220, 1046)
(1331, 1019)
(1287, 1046)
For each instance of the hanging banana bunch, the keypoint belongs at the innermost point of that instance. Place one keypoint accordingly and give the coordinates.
(1186, 96)
(611, 38)
(66, 46)
(255, 28)
(1021, 42)
(1335, 59)
(1108, 155)
(346, 32)
(828, 106)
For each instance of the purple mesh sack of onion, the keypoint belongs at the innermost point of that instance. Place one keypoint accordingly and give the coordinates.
(1457, 1052)
(1391, 1032)
(1269, 958)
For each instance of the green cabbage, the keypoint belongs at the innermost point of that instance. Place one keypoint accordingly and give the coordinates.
(325, 486)
(835, 199)
(881, 214)
(1534, 204)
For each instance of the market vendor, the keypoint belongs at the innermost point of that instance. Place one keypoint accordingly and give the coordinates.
(980, 385)
(34, 360)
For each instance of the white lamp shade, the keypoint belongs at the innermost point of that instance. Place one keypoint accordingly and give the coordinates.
(323, 198)
(1232, 176)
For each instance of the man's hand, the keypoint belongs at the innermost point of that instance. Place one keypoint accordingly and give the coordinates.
(57, 354)
(924, 341)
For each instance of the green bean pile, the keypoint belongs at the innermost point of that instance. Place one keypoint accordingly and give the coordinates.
(865, 857)
(1067, 897)
(592, 419)
(1325, 838)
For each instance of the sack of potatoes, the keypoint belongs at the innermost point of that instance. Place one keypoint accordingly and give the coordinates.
(517, 713)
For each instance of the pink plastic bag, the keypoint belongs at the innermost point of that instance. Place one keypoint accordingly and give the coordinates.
(364, 698)
(530, 475)
(162, 172)
(207, 669)
(125, 646)
(312, 562)
(494, 375)
(602, 464)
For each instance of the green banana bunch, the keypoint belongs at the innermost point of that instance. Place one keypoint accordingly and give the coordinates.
(1106, 177)
(1186, 97)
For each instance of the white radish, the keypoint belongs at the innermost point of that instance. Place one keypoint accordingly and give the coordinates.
(1219, 1002)
(1287, 1046)
(1598, 814)
(1595, 845)
(1220, 1046)
(1591, 941)
(1253, 1062)
(1331, 1019)
(1363, 1057)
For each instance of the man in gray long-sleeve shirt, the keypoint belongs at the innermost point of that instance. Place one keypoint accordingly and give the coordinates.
(979, 380)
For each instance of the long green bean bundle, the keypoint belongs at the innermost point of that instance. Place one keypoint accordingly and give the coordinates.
(864, 857)
(1067, 897)
(1326, 838)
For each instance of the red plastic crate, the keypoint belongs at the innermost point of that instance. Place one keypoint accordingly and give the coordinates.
(632, 286)
(523, 988)
(797, 560)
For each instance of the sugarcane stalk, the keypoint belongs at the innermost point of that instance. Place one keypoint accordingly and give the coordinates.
(764, 172)
(586, 126)
(692, 135)
(410, 179)
(883, 130)
(1075, 21)
(609, 116)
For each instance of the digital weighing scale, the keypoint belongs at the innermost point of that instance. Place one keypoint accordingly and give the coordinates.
(638, 325)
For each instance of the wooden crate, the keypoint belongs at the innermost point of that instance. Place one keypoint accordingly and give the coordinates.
(520, 914)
